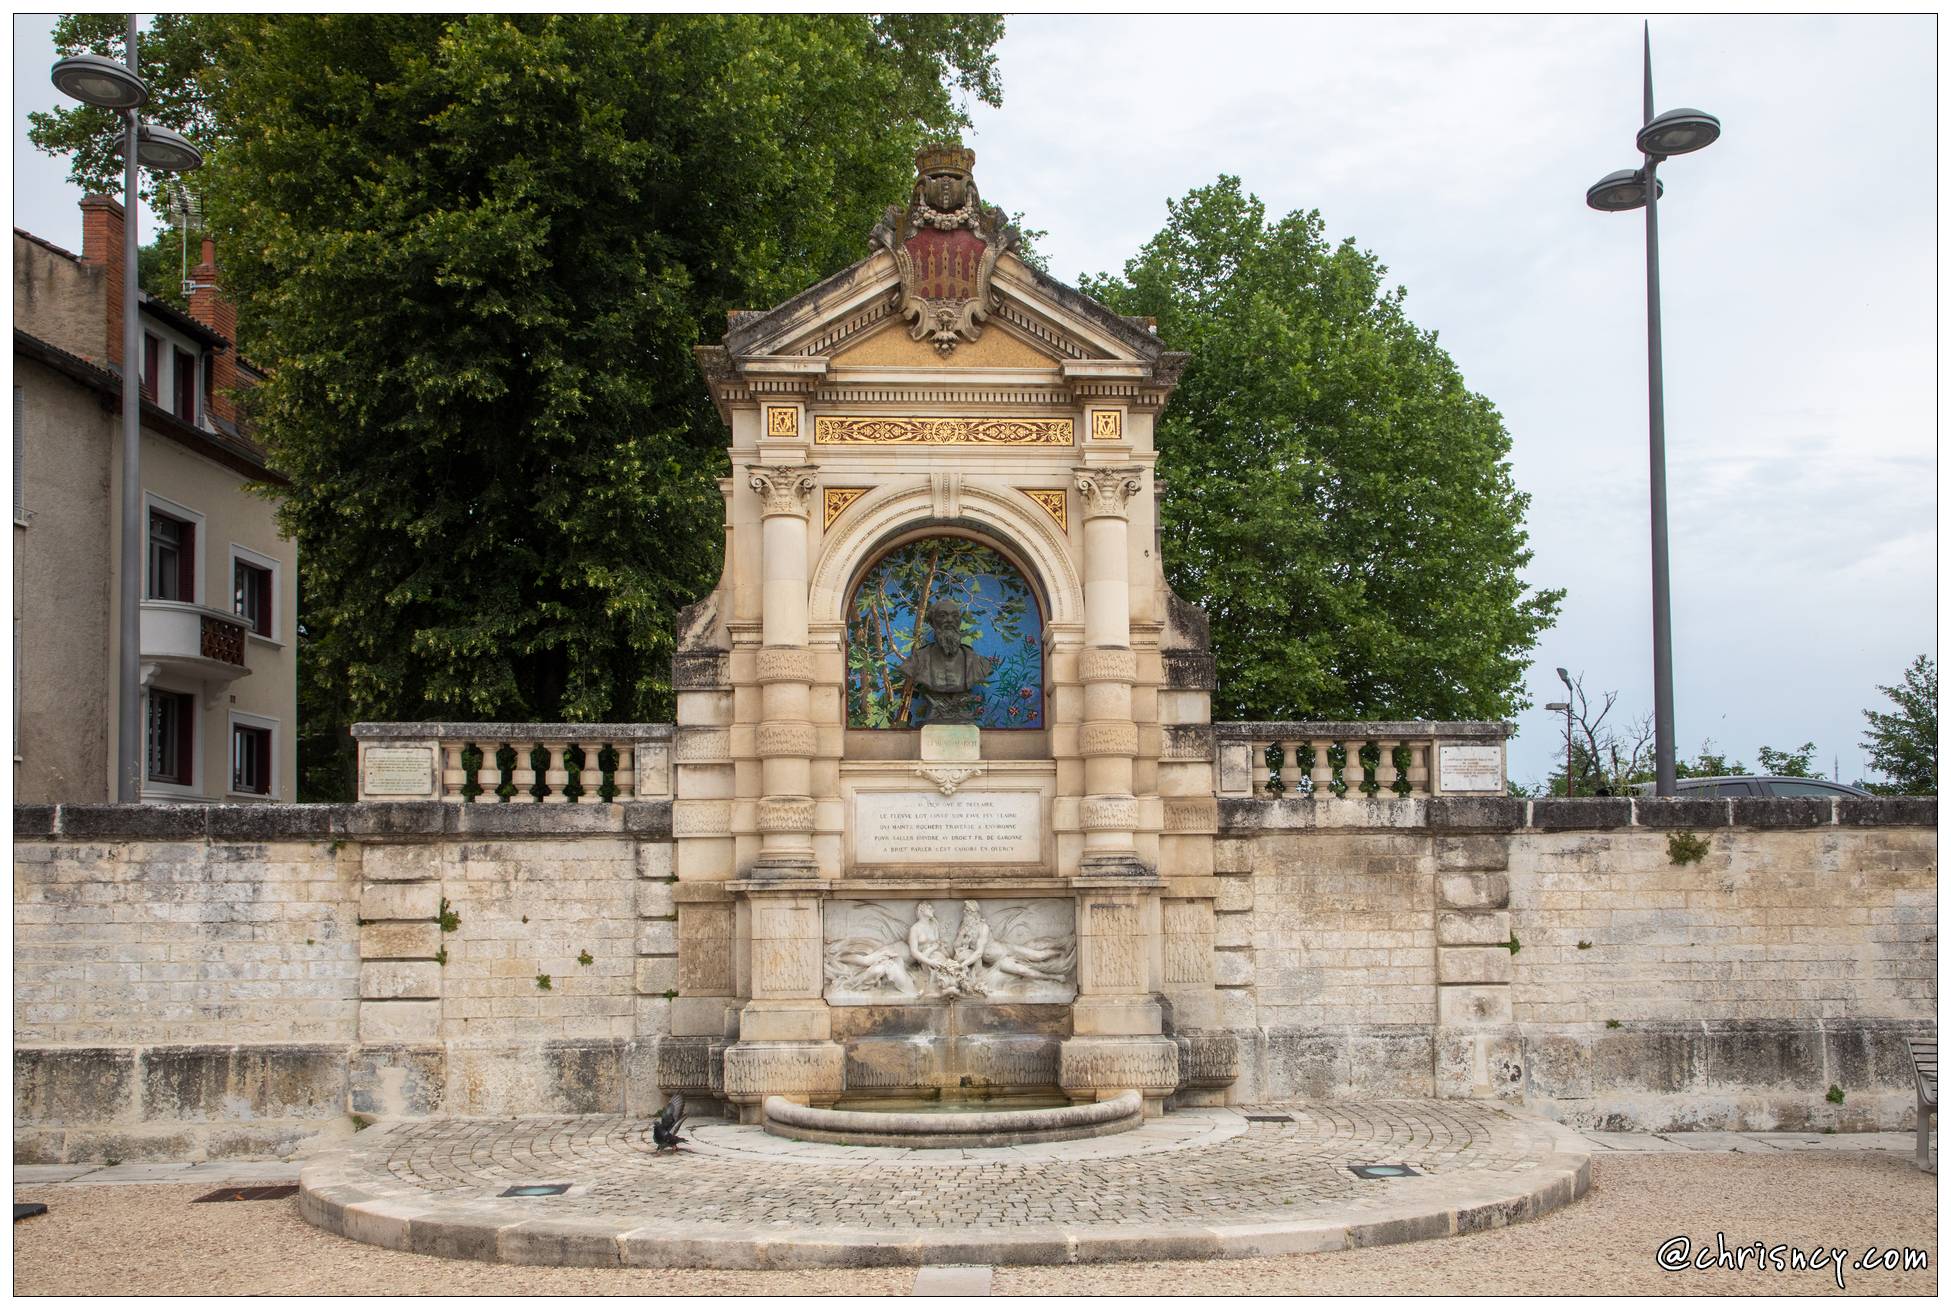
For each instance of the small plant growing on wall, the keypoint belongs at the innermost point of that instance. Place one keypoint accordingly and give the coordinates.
(585, 959)
(1612, 1023)
(440, 957)
(1585, 946)
(543, 981)
(1685, 847)
(1835, 1096)
(1513, 946)
(449, 918)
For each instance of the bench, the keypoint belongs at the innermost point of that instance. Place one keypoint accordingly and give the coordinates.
(1923, 1057)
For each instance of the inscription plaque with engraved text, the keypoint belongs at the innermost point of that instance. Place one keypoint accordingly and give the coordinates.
(926, 827)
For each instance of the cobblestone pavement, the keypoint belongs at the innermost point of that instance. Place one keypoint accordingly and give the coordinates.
(1272, 1177)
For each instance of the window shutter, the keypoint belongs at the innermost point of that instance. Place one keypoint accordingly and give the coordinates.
(262, 741)
(186, 565)
(151, 348)
(262, 577)
(184, 377)
(19, 441)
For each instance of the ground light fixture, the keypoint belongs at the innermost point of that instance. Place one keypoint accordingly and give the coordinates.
(1676, 132)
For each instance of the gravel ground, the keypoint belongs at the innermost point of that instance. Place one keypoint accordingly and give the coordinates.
(122, 1239)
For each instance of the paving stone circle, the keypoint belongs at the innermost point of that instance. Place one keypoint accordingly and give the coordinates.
(1196, 1183)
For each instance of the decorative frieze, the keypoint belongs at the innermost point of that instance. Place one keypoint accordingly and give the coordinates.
(835, 500)
(754, 1070)
(785, 814)
(704, 745)
(974, 430)
(782, 421)
(1055, 502)
(1145, 1064)
(785, 737)
(1107, 425)
(700, 818)
(784, 489)
(1107, 813)
(1109, 737)
(1209, 1059)
(1185, 742)
(1106, 664)
(784, 664)
(1194, 814)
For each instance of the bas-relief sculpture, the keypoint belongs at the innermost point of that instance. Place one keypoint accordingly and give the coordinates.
(882, 952)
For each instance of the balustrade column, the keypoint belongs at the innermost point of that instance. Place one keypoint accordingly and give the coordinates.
(1321, 774)
(785, 736)
(1352, 774)
(1108, 736)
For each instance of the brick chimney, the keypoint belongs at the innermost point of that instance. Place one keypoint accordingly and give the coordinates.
(101, 247)
(210, 307)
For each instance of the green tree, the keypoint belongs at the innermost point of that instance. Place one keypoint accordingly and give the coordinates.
(1336, 498)
(1797, 763)
(475, 253)
(1903, 746)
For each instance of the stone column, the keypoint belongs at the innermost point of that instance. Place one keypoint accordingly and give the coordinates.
(1117, 1023)
(1108, 736)
(785, 737)
(1478, 1052)
(785, 1030)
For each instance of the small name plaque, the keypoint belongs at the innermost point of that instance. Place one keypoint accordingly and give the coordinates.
(398, 771)
(1470, 769)
(926, 827)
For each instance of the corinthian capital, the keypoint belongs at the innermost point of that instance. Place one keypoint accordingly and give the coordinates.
(1106, 490)
(783, 488)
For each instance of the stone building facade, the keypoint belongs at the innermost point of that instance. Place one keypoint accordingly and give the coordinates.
(219, 608)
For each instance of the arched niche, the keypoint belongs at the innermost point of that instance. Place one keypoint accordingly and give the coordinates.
(999, 641)
(1001, 517)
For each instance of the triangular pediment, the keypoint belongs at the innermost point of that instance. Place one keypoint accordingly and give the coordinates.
(846, 333)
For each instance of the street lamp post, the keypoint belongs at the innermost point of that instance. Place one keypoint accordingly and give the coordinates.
(1566, 706)
(106, 84)
(1676, 132)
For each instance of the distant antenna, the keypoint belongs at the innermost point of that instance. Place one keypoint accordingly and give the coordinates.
(185, 212)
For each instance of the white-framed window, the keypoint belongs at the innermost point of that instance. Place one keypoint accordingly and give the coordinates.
(172, 755)
(253, 756)
(173, 550)
(254, 591)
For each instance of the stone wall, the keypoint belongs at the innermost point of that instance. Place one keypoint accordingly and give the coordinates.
(206, 981)
(1556, 952)
(237, 980)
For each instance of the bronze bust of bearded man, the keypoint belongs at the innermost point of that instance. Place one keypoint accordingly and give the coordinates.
(947, 672)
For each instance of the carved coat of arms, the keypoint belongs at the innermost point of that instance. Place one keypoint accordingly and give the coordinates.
(945, 246)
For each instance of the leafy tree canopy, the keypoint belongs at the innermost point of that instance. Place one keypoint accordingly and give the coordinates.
(1336, 498)
(475, 252)
(1903, 745)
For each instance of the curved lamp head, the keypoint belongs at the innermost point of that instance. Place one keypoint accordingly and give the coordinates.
(165, 151)
(1563, 678)
(101, 82)
(1679, 132)
(1618, 192)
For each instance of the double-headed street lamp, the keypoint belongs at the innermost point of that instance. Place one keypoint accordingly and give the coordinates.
(95, 80)
(1676, 132)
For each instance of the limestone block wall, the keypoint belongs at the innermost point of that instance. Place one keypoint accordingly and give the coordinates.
(1557, 953)
(204, 981)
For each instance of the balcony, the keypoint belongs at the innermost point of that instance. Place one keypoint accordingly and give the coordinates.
(192, 641)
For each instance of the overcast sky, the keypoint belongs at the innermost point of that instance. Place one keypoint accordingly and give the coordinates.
(1800, 277)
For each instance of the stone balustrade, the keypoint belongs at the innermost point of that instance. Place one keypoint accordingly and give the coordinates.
(1330, 759)
(514, 763)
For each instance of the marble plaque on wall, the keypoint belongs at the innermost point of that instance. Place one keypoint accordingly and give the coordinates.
(926, 827)
(902, 951)
(1470, 769)
(398, 771)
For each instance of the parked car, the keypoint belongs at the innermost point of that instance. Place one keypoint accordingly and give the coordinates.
(1766, 784)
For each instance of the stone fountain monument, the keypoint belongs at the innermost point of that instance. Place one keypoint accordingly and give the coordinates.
(945, 800)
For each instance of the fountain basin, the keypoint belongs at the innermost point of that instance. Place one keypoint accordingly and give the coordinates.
(928, 1129)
